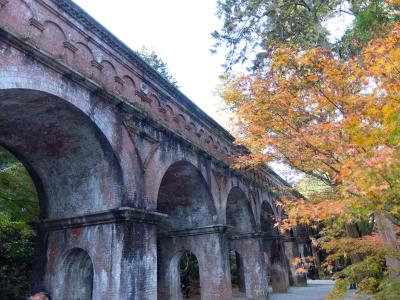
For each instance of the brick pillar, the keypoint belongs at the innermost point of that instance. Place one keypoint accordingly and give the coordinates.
(277, 266)
(116, 251)
(250, 248)
(292, 252)
(209, 246)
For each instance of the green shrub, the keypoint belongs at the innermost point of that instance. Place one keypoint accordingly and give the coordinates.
(17, 241)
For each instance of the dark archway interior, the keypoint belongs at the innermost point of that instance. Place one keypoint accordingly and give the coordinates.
(237, 272)
(268, 220)
(189, 275)
(238, 212)
(78, 275)
(185, 197)
(72, 165)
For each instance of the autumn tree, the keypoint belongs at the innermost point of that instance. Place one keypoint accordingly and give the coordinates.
(335, 120)
(253, 28)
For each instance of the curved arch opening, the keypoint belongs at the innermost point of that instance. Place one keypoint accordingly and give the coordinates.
(238, 212)
(185, 276)
(78, 275)
(19, 206)
(73, 166)
(237, 274)
(268, 220)
(185, 197)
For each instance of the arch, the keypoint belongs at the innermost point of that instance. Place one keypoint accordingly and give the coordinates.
(268, 219)
(169, 111)
(177, 274)
(238, 212)
(210, 141)
(78, 269)
(193, 127)
(185, 196)
(52, 39)
(83, 58)
(73, 166)
(181, 120)
(129, 88)
(108, 74)
(200, 133)
(155, 99)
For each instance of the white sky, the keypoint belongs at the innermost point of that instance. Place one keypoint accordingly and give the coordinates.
(180, 33)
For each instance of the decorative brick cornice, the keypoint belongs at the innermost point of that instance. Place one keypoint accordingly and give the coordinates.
(143, 96)
(96, 64)
(119, 215)
(70, 46)
(35, 23)
(119, 80)
(92, 25)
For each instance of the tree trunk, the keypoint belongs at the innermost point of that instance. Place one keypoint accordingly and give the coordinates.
(353, 232)
(386, 231)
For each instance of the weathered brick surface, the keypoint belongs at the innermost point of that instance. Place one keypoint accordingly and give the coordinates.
(99, 130)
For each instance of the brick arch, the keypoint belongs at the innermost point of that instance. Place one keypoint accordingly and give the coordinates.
(83, 59)
(268, 217)
(185, 196)
(52, 39)
(210, 141)
(173, 290)
(169, 112)
(129, 88)
(74, 167)
(200, 133)
(108, 74)
(193, 128)
(95, 118)
(155, 100)
(181, 120)
(238, 212)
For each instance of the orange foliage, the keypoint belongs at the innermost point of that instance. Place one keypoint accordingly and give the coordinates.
(335, 120)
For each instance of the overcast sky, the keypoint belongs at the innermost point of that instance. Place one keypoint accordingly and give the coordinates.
(180, 33)
(178, 30)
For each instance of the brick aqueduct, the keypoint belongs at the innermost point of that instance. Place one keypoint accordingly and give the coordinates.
(130, 173)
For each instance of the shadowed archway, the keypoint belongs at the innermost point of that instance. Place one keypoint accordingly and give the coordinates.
(185, 197)
(72, 164)
(238, 212)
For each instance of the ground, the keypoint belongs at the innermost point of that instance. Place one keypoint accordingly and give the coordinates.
(316, 290)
